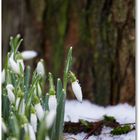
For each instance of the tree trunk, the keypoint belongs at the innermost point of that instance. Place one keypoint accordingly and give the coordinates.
(102, 33)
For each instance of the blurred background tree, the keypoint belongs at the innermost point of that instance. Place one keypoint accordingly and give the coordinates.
(102, 33)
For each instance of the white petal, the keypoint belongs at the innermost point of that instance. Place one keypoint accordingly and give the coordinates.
(52, 102)
(3, 76)
(11, 96)
(9, 86)
(39, 111)
(50, 118)
(28, 54)
(14, 66)
(33, 120)
(29, 128)
(77, 90)
(40, 68)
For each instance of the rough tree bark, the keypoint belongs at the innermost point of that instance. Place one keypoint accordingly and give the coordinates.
(102, 33)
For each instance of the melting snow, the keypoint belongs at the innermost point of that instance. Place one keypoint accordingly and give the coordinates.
(123, 113)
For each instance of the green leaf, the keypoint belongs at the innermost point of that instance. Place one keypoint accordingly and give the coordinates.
(59, 124)
(27, 81)
(14, 126)
(67, 68)
(59, 90)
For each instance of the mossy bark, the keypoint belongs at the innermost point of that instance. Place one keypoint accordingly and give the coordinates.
(102, 33)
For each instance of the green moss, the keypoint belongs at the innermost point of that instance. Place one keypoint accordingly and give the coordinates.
(109, 118)
(121, 130)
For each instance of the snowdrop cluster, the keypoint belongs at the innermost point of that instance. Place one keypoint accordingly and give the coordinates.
(29, 111)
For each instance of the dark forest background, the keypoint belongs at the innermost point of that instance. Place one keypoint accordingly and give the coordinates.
(102, 33)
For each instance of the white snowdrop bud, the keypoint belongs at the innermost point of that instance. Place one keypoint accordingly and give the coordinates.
(50, 118)
(39, 111)
(29, 129)
(77, 90)
(52, 102)
(3, 126)
(9, 86)
(11, 95)
(28, 54)
(14, 66)
(3, 76)
(40, 68)
(47, 138)
(33, 120)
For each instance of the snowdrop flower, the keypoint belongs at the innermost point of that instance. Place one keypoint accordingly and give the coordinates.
(11, 95)
(9, 86)
(3, 126)
(3, 76)
(77, 90)
(33, 120)
(50, 118)
(76, 86)
(40, 68)
(28, 54)
(29, 129)
(14, 66)
(52, 102)
(39, 111)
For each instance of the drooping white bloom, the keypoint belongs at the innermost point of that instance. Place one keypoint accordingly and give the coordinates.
(33, 120)
(29, 129)
(11, 95)
(3, 76)
(14, 66)
(40, 68)
(39, 111)
(9, 86)
(4, 128)
(47, 138)
(52, 102)
(50, 118)
(28, 54)
(77, 90)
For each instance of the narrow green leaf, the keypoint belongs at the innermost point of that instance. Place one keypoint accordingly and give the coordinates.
(67, 67)
(14, 126)
(27, 81)
(59, 124)
(59, 90)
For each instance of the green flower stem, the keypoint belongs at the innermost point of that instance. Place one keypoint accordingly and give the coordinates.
(67, 67)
